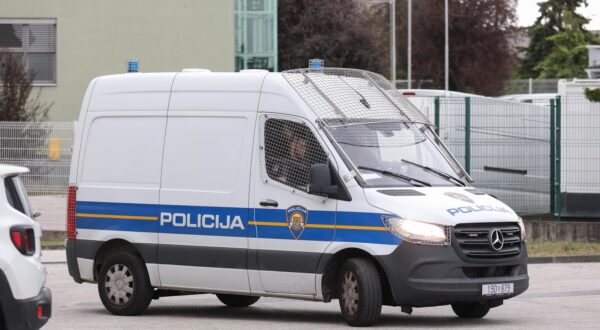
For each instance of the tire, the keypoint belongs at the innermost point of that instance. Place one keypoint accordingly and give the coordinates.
(470, 310)
(128, 271)
(359, 290)
(237, 301)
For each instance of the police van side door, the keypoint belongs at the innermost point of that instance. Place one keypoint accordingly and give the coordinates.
(293, 228)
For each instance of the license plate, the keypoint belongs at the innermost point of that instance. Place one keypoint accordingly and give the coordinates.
(497, 289)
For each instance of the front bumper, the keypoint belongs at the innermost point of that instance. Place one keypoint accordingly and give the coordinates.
(23, 314)
(425, 275)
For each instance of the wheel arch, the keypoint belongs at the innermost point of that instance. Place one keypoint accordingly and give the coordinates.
(111, 247)
(331, 270)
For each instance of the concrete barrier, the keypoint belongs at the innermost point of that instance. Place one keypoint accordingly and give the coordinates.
(562, 231)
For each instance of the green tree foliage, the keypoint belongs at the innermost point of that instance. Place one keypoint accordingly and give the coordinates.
(557, 17)
(568, 57)
(593, 94)
(342, 32)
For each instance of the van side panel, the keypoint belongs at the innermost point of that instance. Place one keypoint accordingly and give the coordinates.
(205, 181)
(118, 174)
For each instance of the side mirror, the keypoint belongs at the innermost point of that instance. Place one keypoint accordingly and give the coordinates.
(320, 181)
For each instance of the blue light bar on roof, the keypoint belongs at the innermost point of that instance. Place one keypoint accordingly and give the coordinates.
(133, 65)
(316, 63)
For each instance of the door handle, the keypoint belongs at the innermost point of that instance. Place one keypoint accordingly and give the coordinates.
(269, 202)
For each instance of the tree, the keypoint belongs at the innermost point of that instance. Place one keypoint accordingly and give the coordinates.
(356, 34)
(551, 22)
(568, 57)
(15, 89)
(22, 144)
(481, 32)
(344, 33)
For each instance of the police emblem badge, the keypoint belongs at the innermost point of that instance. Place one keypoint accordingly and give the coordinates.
(297, 217)
(459, 196)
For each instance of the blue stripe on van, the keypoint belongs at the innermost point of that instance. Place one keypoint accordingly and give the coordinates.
(136, 217)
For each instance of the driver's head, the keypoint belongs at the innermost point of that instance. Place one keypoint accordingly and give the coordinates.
(298, 147)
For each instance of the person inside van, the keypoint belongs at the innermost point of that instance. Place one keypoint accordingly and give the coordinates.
(293, 169)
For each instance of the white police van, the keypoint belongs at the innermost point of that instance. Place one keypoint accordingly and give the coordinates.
(24, 301)
(315, 184)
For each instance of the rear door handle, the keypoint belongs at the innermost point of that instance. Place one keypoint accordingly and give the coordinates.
(269, 202)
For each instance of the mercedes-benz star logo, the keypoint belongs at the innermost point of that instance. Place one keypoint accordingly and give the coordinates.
(496, 239)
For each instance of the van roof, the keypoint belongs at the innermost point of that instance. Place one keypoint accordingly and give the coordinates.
(8, 170)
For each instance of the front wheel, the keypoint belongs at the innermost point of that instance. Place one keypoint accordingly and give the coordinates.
(123, 284)
(360, 292)
(232, 300)
(470, 310)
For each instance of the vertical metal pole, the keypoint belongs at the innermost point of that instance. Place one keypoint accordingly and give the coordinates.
(409, 45)
(552, 157)
(393, 41)
(530, 85)
(275, 38)
(468, 135)
(446, 49)
(558, 157)
(436, 114)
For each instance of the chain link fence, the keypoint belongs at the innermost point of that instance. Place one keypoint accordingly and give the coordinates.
(45, 148)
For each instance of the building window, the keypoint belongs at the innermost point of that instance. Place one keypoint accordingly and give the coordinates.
(34, 40)
(256, 34)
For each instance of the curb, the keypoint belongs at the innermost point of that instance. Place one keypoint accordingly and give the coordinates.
(54, 235)
(562, 259)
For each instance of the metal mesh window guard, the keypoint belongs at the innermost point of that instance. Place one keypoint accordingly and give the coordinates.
(290, 150)
(345, 96)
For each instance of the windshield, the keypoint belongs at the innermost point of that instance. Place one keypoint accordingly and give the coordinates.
(397, 154)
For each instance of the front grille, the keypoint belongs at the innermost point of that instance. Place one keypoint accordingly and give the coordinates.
(474, 240)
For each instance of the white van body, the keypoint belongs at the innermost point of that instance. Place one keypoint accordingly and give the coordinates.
(177, 169)
(22, 275)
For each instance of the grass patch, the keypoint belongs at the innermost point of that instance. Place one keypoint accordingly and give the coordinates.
(557, 249)
(53, 244)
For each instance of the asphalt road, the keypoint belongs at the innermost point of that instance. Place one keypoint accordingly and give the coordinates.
(560, 296)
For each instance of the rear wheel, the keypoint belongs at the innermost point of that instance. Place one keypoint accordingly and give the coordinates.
(123, 284)
(470, 310)
(232, 300)
(359, 291)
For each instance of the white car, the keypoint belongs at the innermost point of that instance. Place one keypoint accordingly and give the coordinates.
(24, 301)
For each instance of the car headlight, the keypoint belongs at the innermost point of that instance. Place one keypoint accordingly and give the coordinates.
(522, 226)
(417, 231)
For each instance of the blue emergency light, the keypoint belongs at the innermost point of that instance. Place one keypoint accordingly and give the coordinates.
(316, 63)
(133, 65)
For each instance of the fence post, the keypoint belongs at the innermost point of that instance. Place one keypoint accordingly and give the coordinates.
(436, 115)
(468, 135)
(552, 155)
(558, 157)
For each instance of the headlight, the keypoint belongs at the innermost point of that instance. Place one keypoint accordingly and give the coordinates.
(417, 231)
(522, 226)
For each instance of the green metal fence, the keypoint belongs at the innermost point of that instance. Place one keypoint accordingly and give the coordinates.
(504, 145)
(538, 158)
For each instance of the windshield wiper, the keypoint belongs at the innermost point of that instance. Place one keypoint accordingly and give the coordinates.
(438, 172)
(413, 181)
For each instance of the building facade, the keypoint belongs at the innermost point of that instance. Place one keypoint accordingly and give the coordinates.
(68, 43)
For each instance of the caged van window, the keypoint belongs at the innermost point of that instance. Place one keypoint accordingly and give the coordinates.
(290, 150)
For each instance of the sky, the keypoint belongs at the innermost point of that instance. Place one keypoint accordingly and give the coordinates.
(527, 10)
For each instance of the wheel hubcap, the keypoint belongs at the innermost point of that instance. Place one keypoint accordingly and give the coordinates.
(350, 293)
(118, 284)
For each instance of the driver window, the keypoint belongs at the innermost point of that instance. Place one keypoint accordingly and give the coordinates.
(290, 150)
